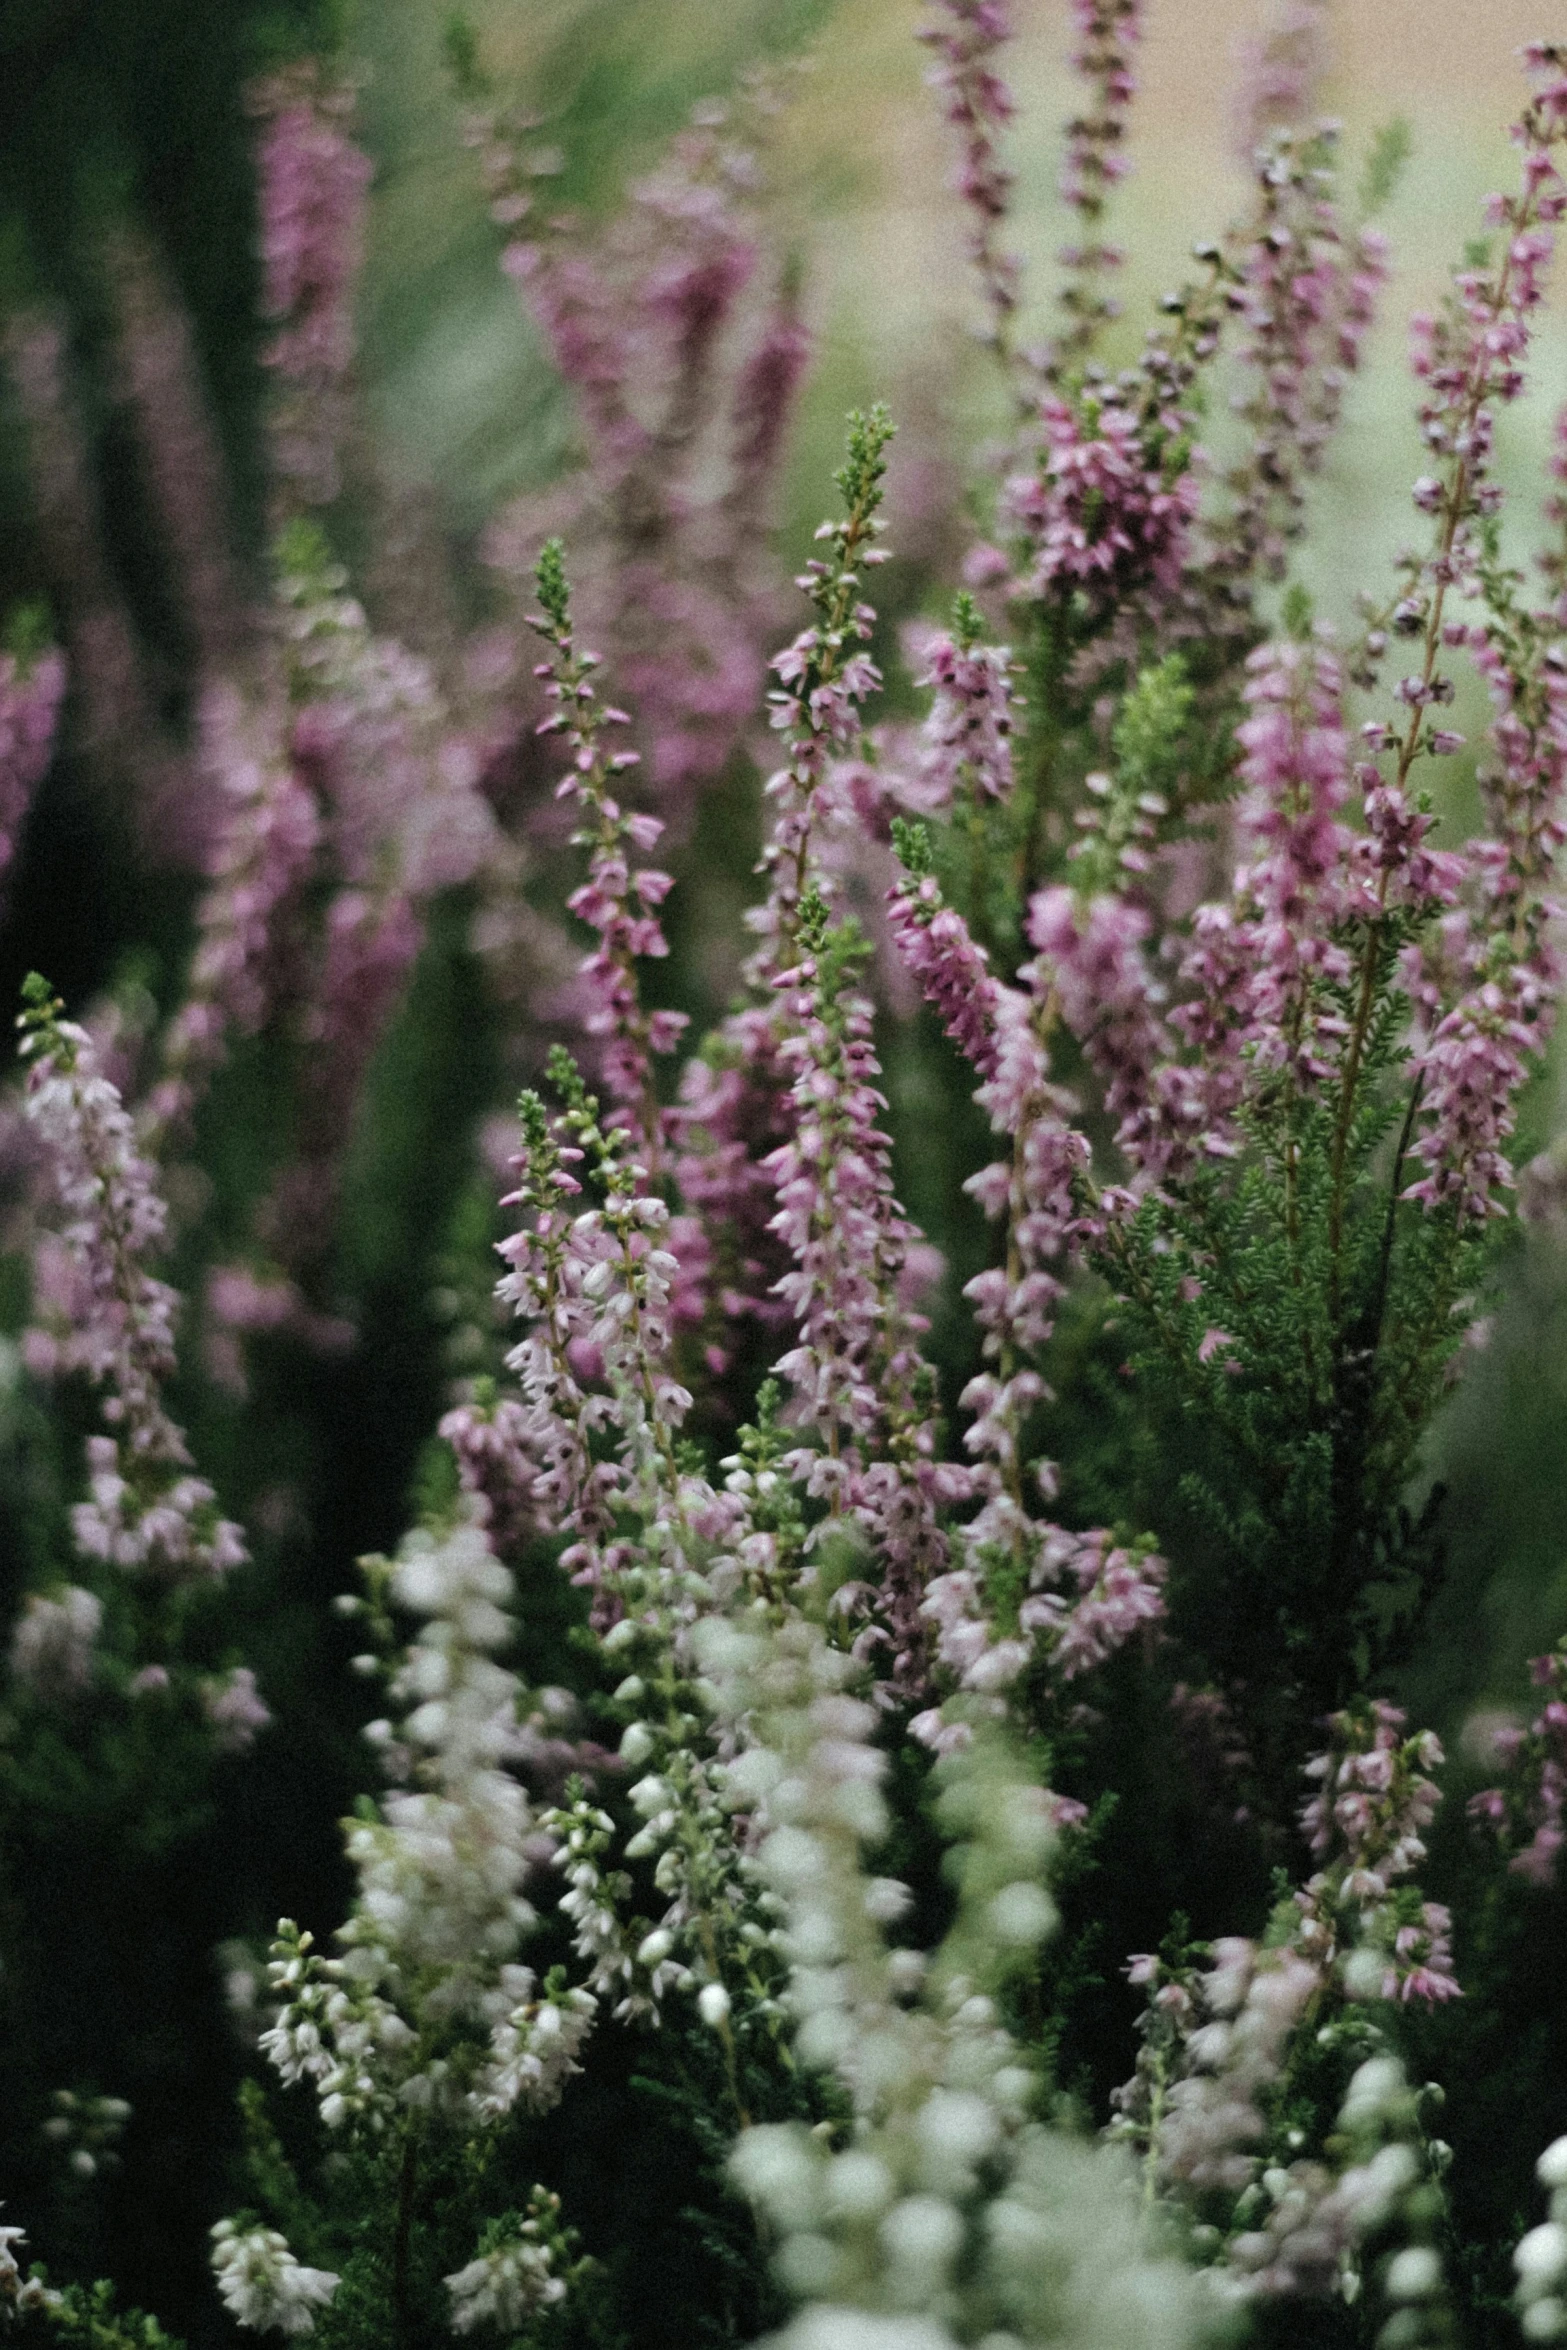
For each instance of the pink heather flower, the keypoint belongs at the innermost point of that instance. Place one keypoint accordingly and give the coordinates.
(1036, 1188)
(733, 1111)
(1117, 1590)
(264, 844)
(1092, 952)
(162, 377)
(593, 1287)
(572, 305)
(1283, 69)
(763, 401)
(1528, 1812)
(965, 37)
(836, 1214)
(490, 1435)
(146, 1511)
(1106, 33)
(619, 899)
(313, 183)
(702, 262)
(684, 398)
(372, 942)
(1099, 514)
(966, 740)
(952, 973)
(372, 734)
(1554, 563)
(1304, 289)
(1289, 897)
(568, 1491)
(1478, 1054)
(1373, 1801)
(824, 679)
(31, 692)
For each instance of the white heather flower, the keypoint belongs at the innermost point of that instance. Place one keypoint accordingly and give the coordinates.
(146, 1511)
(533, 2053)
(508, 2282)
(1413, 2274)
(1541, 2256)
(52, 1645)
(10, 2273)
(262, 2285)
(826, 2328)
(713, 2004)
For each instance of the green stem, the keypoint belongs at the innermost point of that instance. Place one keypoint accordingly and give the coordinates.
(402, 2240)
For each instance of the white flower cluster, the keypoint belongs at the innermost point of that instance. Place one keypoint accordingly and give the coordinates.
(262, 2285)
(148, 1510)
(86, 2130)
(514, 2275)
(440, 1873)
(948, 2214)
(53, 1642)
(334, 2029)
(16, 2291)
(1541, 2256)
(533, 2049)
(440, 1909)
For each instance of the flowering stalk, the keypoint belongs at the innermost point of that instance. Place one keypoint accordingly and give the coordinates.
(32, 688)
(1470, 360)
(966, 738)
(147, 1511)
(1284, 66)
(855, 1369)
(264, 844)
(1107, 32)
(684, 403)
(1225, 2048)
(941, 2194)
(1305, 290)
(1540, 2256)
(618, 900)
(823, 679)
(1528, 1811)
(370, 746)
(313, 183)
(163, 384)
(966, 37)
(262, 2285)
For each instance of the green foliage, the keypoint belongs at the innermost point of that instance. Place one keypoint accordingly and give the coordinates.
(84, 2317)
(554, 594)
(28, 631)
(1390, 151)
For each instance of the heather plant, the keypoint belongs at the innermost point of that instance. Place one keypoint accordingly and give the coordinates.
(816, 1680)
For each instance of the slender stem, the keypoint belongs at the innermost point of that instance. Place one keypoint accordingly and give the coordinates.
(1454, 510)
(402, 2238)
(1385, 1263)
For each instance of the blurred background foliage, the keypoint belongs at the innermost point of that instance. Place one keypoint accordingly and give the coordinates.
(111, 108)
